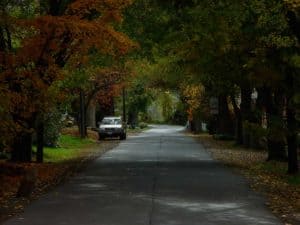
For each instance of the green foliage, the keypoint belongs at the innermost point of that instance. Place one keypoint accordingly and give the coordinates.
(295, 180)
(148, 22)
(139, 95)
(167, 106)
(20, 9)
(143, 125)
(255, 136)
(138, 98)
(179, 116)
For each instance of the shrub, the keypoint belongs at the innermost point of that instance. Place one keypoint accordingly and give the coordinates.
(53, 126)
(143, 125)
(254, 135)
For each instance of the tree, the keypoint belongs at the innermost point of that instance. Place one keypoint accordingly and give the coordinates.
(230, 48)
(63, 33)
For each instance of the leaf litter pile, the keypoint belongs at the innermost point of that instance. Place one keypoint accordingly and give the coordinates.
(282, 191)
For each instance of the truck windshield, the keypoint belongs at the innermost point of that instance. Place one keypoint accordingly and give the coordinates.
(111, 121)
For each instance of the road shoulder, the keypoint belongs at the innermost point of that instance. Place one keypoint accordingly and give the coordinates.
(268, 178)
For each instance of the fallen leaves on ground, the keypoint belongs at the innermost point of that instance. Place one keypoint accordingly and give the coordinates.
(49, 175)
(11, 176)
(269, 178)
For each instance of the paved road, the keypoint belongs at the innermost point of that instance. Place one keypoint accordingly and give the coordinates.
(160, 177)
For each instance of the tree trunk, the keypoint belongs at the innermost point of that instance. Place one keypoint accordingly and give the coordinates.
(238, 123)
(112, 106)
(40, 142)
(225, 125)
(293, 167)
(2, 40)
(246, 92)
(246, 112)
(133, 118)
(91, 114)
(82, 124)
(276, 137)
(292, 123)
(9, 41)
(22, 147)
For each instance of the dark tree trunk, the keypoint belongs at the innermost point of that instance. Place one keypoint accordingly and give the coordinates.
(238, 123)
(9, 43)
(2, 49)
(82, 125)
(292, 125)
(225, 125)
(112, 106)
(133, 118)
(276, 137)
(91, 114)
(246, 112)
(192, 126)
(293, 167)
(246, 92)
(2, 40)
(22, 147)
(40, 142)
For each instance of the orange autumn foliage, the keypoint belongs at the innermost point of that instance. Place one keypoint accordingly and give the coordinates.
(105, 84)
(43, 45)
(47, 43)
(193, 95)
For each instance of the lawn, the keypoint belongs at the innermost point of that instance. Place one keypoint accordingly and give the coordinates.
(70, 147)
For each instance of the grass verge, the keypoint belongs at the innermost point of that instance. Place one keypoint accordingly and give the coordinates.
(70, 147)
(136, 130)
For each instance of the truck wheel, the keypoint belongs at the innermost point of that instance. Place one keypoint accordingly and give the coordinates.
(123, 137)
(101, 138)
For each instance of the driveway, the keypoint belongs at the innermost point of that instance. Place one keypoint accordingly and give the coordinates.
(160, 177)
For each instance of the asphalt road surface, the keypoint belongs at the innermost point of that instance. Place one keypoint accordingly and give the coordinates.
(160, 177)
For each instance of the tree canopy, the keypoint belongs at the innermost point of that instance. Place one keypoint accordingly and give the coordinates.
(243, 55)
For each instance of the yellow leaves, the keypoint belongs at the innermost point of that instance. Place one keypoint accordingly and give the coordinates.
(193, 95)
(292, 4)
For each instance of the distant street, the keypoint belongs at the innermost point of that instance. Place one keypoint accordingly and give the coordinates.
(160, 177)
